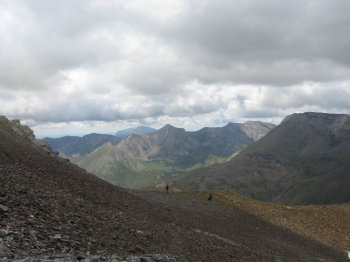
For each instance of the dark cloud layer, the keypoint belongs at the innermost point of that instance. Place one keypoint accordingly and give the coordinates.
(207, 61)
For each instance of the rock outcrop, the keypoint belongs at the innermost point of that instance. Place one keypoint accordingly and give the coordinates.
(24, 132)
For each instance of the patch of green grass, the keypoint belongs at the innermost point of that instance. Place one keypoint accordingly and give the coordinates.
(92, 160)
(307, 166)
(159, 166)
(148, 173)
(209, 161)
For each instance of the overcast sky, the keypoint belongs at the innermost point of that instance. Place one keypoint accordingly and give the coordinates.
(81, 66)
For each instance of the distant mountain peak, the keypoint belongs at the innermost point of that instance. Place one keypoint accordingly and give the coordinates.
(170, 128)
(139, 129)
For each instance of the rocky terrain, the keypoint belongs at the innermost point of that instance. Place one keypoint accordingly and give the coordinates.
(53, 210)
(329, 224)
(145, 159)
(304, 160)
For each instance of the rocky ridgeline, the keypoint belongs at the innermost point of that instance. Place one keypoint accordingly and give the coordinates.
(25, 133)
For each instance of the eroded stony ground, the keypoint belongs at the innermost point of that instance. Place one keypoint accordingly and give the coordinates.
(329, 224)
(49, 206)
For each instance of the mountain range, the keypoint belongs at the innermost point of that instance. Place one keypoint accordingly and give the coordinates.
(144, 159)
(52, 210)
(304, 160)
(69, 146)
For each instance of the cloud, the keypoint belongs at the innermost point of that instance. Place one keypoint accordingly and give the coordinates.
(196, 62)
(267, 42)
(333, 96)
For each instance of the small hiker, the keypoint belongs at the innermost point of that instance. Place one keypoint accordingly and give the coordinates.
(167, 188)
(210, 197)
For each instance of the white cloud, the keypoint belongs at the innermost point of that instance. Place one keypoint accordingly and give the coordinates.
(191, 63)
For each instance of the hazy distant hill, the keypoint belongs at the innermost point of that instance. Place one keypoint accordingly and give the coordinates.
(144, 159)
(304, 160)
(140, 129)
(71, 145)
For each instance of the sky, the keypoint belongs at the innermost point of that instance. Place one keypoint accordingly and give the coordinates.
(72, 67)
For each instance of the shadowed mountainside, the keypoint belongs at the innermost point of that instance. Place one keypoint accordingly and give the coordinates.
(48, 205)
(304, 160)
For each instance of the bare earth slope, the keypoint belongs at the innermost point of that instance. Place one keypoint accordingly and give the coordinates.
(51, 206)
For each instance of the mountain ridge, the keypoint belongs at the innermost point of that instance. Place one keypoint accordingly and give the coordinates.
(156, 156)
(75, 145)
(292, 159)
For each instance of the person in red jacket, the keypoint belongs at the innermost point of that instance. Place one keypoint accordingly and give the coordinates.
(167, 188)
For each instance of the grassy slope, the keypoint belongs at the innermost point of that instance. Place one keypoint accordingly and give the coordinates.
(103, 163)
